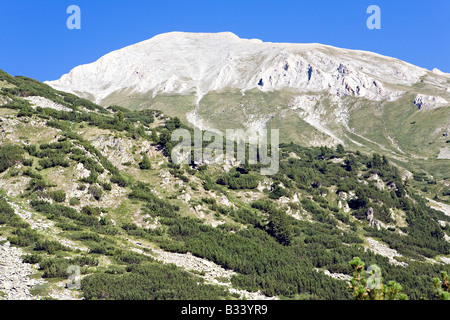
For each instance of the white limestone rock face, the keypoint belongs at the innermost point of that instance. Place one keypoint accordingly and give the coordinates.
(15, 280)
(440, 73)
(198, 63)
(428, 102)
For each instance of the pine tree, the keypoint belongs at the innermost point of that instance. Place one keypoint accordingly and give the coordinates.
(340, 149)
(368, 285)
(280, 228)
(145, 163)
(154, 137)
(442, 286)
(120, 116)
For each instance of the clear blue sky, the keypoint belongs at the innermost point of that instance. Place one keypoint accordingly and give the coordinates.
(35, 41)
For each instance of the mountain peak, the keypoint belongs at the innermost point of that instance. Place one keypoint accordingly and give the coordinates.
(185, 63)
(198, 35)
(184, 38)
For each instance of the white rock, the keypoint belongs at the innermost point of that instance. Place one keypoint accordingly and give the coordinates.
(198, 63)
(444, 153)
(383, 250)
(14, 274)
(37, 101)
(440, 73)
(425, 102)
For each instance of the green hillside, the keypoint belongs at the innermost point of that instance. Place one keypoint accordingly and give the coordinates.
(411, 136)
(94, 187)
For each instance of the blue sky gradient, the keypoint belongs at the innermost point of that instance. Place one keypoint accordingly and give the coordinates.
(35, 41)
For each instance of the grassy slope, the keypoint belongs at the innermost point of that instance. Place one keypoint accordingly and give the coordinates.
(379, 126)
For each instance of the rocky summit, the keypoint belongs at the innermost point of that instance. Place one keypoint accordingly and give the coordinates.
(200, 63)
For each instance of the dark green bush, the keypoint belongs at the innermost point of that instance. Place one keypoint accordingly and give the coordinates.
(145, 164)
(6, 211)
(74, 201)
(119, 180)
(235, 180)
(9, 155)
(27, 162)
(96, 192)
(49, 245)
(58, 195)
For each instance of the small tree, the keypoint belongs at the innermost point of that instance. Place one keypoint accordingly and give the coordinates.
(96, 192)
(367, 285)
(340, 149)
(119, 116)
(154, 136)
(74, 201)
(58, 195)
(276, 192)
(351, 163)
(442, 286)
(145, 164)
(279, 227)
(107, 186)
(9, 155)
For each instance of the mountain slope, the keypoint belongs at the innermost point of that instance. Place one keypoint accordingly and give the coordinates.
(76, 190)
(315, 94)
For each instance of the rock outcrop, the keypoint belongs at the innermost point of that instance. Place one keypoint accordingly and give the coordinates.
(428, 102)
(15, 283)
(385, 251)
(444, 153)
(372, 221)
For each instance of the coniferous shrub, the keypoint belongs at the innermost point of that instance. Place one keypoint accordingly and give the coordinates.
(96, 192)
(58, 195)
(10, 155)
(145, 164)
(6, 211)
